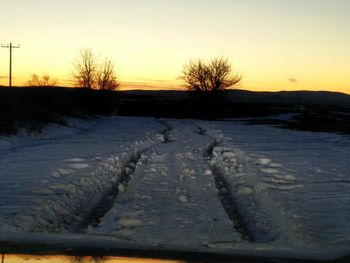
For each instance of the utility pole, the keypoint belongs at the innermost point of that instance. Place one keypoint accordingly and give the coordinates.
(10, 46)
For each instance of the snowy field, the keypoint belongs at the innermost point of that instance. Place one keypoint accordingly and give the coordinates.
(204, 186)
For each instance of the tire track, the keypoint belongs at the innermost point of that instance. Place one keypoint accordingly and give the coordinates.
(254, 214)
(233, 204)
(86, 199)
(108, 200)
(225, 196)
(223, 188)
(171, 199)
(127, 173)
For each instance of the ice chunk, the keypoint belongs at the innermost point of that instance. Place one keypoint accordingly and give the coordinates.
(286, 187)
(129, 222)
(127, 170)
(189, 173)
(238, 175)
(160, 137)
(59, 186)
(183, 198)
(228, 155)
(78, 165)
(208, 172)
(121, 188)
(289, 177)
(263, 161)
(269, 170)
(64, 171)
(275, 165)
(56, 174)
(243, 190)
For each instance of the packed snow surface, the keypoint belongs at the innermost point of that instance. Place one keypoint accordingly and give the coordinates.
(199, 184)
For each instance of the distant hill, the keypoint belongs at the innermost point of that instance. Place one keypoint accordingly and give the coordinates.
(292, 97)
(324, 98)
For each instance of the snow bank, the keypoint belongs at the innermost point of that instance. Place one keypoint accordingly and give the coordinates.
(53, 131)
(263, 218)
(71, 210)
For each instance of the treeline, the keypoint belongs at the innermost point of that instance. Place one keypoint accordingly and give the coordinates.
(33, 108)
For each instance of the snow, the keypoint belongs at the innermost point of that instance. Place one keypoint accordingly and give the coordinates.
(243, 190)
(263, 161)
(39, 164)
(269, 170)
(304, 174)
(168, 189)
(208, 172)
(189, 183)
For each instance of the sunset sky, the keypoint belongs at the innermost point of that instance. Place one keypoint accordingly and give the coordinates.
(274, 44)
(67, 259)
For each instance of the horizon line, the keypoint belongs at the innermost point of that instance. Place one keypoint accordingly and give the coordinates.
(154, 88)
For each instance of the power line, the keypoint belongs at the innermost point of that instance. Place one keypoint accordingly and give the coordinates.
(10, 46)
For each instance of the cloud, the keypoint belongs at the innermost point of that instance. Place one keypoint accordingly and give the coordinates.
(293, 80)
(3, 77)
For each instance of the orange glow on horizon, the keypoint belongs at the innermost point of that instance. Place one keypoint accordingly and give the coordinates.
(269, 86)
(13, 258)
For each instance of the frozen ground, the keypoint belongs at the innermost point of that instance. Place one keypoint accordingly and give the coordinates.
(201, 185)
(306, 175)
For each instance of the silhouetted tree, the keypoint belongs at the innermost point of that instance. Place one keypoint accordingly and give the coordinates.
(87, 259)
(214, 75)
(106, 76)
(89, 73)
(85, 69)
(41, 81)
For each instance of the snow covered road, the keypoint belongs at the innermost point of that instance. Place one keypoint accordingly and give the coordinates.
(172, 196)
(178, 182)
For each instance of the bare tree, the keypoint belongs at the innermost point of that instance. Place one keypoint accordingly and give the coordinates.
(85, 69)
(89, 73)
(106, 76)
(214, 75)
(86, 259)
(41, 81)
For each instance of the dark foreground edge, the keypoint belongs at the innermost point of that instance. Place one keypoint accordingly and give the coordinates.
(98, 245)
